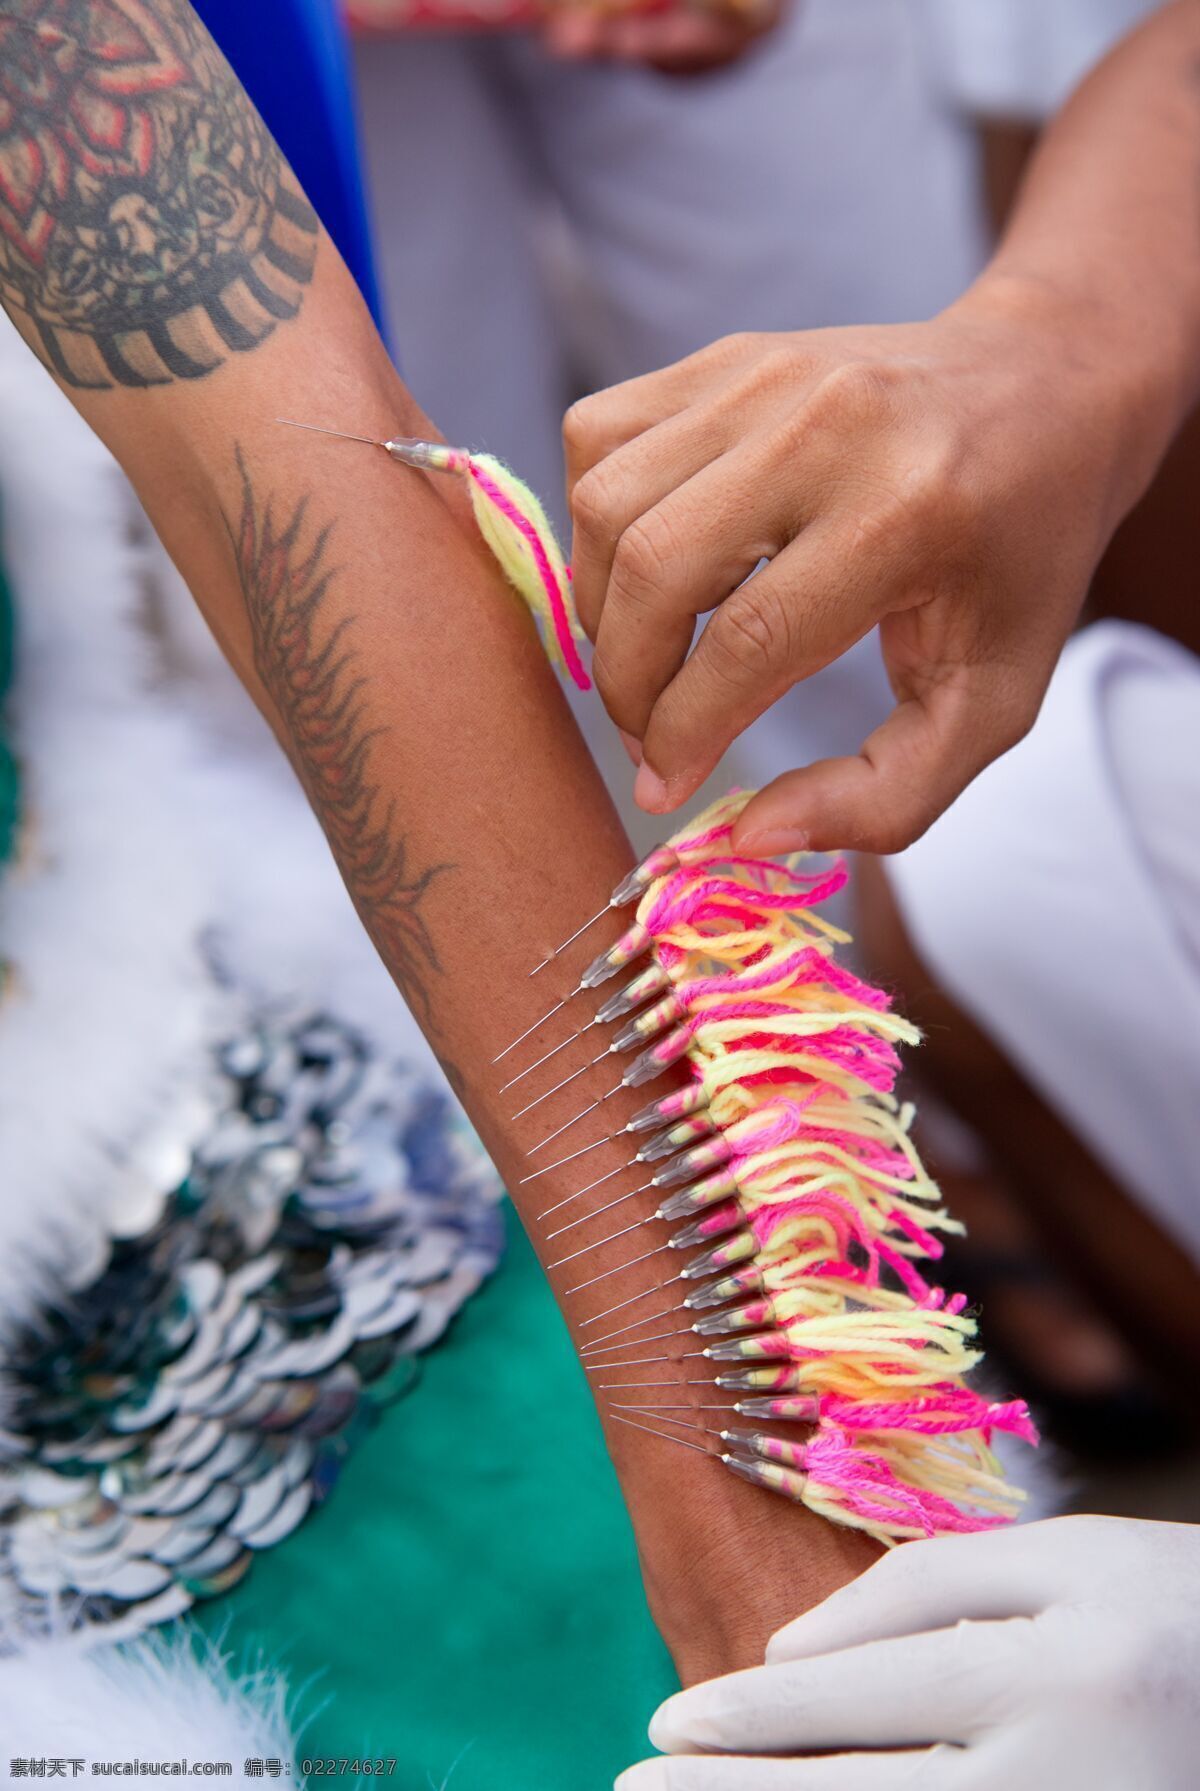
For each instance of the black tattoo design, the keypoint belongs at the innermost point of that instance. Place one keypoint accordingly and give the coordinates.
(312, 671)
(148, 223)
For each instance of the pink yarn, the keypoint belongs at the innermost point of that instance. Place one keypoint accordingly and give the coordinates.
(699, 844)
(940, 1412)
(840, 1214)
(868, 1151)
(924, 1240)
(868, 1486)
(686, 900)
(910, 1277)
(872, 1061)
(558, 608)
(784, 1121)
(806, 966)
(755, 992)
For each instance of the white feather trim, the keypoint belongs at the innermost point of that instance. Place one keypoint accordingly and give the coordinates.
(158, 807)
(105, 1010)
(168, 1696)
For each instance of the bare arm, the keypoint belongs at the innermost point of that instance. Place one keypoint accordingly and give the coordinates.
(1106, 231)
(162, 261)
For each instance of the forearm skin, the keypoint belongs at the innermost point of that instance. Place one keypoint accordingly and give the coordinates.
(402, 677)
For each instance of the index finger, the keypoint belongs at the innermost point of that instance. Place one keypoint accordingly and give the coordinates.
(786, 622)
(596, 426)
(941, 1685)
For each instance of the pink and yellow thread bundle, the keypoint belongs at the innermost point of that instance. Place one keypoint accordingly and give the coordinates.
(515, 527)
(794, 1062)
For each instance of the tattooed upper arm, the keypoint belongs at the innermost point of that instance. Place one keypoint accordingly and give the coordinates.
(148, 223)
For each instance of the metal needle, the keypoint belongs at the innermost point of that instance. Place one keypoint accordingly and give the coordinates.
(599, 1102)
(631, 1301)
(545, 1057)
(632, 1263)
(610, 1239)
(697, 1380)
(559, 949)
(682, 1422)
(573, 1077)
(666, 1436)
(642, 1361)
(609, 1138)
(341, 434)
(537, 1023)
(590, 1349)
(599, 1181)
(635, 1343)
(606, 1208)
(677, 1405)
(634, 1324)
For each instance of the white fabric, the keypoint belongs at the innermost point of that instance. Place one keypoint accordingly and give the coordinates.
(544, 228)
(1058, 902)
(1065, 1654)
(1019, 59)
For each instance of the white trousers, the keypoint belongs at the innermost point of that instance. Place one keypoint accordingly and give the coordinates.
(1058, 902)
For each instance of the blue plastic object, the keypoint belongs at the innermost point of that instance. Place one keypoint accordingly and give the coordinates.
(293, 60)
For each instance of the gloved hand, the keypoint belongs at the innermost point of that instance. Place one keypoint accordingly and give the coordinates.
(1050, 1657)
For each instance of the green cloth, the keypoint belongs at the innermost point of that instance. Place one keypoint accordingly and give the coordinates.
(472, 1583)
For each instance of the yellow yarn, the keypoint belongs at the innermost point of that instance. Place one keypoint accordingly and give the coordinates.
(516, 554)
(862, 1341)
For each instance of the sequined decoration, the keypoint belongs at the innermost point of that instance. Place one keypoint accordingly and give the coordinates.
(197, 1392)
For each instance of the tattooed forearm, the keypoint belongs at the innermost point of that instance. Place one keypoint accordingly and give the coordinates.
(305, 654)
(148, 223)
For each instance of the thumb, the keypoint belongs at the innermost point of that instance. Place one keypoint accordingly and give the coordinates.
(779, 626)
(905, 775)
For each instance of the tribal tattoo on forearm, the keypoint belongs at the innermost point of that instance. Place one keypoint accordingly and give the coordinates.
(148, 224)
(305, 654)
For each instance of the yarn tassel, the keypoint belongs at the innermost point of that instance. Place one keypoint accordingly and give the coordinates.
(794, 1062)
(517, 529)
(860, 1484)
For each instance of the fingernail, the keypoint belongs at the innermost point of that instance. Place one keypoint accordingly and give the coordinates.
(647, 1775)
(649, 789)
(773, 842)
(632, 745)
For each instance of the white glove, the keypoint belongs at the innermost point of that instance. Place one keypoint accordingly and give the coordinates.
(1049, 1657)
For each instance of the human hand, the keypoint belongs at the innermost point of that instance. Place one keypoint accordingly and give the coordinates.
(954, 482)
(1064, 1653)
(678, 39)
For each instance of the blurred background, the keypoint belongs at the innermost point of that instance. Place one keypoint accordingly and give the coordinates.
(202, 1060)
